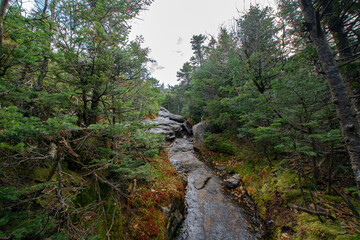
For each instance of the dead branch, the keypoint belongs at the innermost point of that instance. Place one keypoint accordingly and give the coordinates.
(347, 201)
(110, 184)
(318, 213)
(70, 151)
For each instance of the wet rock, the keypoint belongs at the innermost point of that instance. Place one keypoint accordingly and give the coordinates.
(186, 162)
(210, 213)
(201, 182)
(233, 182)
(199, 131)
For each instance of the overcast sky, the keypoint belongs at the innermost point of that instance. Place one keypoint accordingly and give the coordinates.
(168, 25)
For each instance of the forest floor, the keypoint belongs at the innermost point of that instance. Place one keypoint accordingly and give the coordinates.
(279, 199)
(86, 200)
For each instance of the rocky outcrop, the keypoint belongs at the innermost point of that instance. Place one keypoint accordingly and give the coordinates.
(166, 114)
(168, 124)
(199, 131)
(165, 126)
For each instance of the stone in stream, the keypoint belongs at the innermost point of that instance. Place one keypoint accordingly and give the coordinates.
(233, 182)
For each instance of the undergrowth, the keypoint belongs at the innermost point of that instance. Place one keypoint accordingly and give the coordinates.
(276, 190)
(59, 181)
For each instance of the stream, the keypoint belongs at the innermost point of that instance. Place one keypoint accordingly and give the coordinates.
(211, 213)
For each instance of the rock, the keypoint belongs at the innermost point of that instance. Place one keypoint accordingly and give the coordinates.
(201, 182)
(220, 168)
(166, 114)
(169, 134)
(177, 118)
(174, 213)
(233, 181)
(187, 128)
(165, 126)
(199, 131)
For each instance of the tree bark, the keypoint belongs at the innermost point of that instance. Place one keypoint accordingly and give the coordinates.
(349, 124)
(335, 23)
(3, 6)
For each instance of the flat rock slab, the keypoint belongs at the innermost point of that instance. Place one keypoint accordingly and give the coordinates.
(211, 214)
(201, 182)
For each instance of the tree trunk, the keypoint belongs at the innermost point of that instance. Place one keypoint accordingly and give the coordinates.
(349, 124)
(95, 102)
(335, 23)
(3, 6)
(46, 59)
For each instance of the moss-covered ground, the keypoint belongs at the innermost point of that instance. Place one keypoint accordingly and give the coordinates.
(275, 189)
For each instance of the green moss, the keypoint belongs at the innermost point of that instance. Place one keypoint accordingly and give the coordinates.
(332, 198)
(348, 237)
(220, 144)
(220, 158)
(86, 197)
(309, 227)
(117, 232)
(246, 169)
(266, 191)
(41, 174)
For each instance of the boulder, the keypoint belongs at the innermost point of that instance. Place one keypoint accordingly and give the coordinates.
(169, 134)
(165, 126)
(166, 114)
(233, 181)
(199, 131)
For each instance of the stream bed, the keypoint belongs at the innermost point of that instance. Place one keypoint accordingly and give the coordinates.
(210, 212)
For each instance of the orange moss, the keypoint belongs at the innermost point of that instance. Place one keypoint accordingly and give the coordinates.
(146, 229)
(147, 220)
(154, 197)
(150, 116)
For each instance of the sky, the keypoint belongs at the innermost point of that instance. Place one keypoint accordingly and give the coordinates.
(168, 25)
